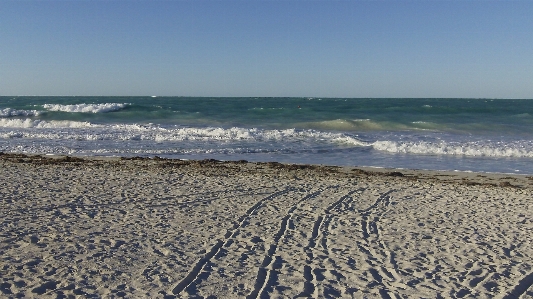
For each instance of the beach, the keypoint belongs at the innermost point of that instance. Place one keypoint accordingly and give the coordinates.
(162, 228)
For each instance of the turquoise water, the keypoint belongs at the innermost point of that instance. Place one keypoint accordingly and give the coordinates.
(493, 135)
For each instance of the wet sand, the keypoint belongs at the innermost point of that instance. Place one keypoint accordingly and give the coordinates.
(157, 228)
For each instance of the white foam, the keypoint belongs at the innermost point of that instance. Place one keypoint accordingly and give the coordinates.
(232, 134)
(36, 123)
(472, 149)
(88, 131)
(11, 134)
(10, 112)
(86, 108)
(252, 137)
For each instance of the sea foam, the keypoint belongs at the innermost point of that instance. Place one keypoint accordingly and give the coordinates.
(86, 108)
(10, 112)
(36, 123)
(472, 149)
(295, 140)
(172, 134)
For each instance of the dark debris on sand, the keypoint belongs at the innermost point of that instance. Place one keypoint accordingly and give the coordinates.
(217, 167)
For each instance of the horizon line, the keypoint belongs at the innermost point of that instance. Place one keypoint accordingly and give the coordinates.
(283, 97)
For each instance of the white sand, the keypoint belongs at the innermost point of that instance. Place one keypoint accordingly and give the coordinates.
(165, 229)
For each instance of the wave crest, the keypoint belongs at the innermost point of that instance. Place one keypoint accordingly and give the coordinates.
(354, 125)
(253, 138)
(173, 134)
(86, 108)
(10, 112)
(471, 149)
(36, 123)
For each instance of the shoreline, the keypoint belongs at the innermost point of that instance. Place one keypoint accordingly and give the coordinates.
(521, 181)
(161, 228)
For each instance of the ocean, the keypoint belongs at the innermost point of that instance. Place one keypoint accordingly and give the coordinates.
(481, 135)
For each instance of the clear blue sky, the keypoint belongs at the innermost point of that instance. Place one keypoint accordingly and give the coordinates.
(268, 48)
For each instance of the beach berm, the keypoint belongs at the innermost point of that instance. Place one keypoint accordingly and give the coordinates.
(160, 228)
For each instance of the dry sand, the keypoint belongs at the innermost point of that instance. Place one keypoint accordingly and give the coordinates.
(153, 228)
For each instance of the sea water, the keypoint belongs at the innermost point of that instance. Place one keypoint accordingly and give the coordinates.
(485, 135)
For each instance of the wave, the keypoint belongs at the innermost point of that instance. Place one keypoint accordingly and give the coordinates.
(209, 138)
(256, 135)
(10, 112)
(239, 134)
(162, 134)
(365, 125)
(86, 108)
(519, 149)
(36, 123)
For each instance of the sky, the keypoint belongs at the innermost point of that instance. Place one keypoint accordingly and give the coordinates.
(283, 48)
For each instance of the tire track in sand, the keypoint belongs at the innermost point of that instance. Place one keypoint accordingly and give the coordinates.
(521, 288)
(195, 273)
(265, 277)
(382, 265)
(320, 228)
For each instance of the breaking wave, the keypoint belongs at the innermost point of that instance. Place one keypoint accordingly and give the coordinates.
(160, 134)
(517, 149)
(10, 112)
(36, 123)
(209, 138)
(86, 108)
